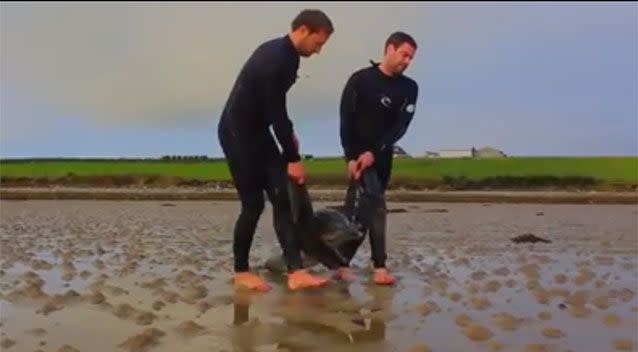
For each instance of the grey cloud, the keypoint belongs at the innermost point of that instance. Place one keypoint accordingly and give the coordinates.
(163, 62)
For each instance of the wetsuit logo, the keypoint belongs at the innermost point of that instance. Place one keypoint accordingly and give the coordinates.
(385, 101)
(410, 108)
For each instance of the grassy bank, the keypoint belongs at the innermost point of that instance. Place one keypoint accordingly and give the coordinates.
(416, 173)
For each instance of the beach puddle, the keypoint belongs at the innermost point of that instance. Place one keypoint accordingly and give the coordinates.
(146, 277)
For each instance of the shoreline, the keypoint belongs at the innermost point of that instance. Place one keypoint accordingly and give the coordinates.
(331, 195)
(146, 276)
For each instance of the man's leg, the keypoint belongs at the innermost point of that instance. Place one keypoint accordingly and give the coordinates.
(248, 178)
(252, 206)
(378, 227)
(344, 272)
(287, 234)
(374, 215)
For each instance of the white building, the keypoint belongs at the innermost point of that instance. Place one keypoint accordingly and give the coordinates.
(457, 153)
(489, 152)
(399, 152)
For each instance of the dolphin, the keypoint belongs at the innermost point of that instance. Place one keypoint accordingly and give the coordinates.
(330, 236)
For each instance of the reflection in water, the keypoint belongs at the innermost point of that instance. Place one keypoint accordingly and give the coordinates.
(241, 315)
(315, 319)
(449, 265)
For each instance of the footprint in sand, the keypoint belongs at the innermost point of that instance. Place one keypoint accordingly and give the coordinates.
(623, 345)
(479, 303)
(39, 264)
(426, 308)
(462, 320)
(535, 347)
(85, 274)
(143, 341)
(544, 315)
(601, 302)
(472, 288)
(97, 298)
(189, 329)
(154, 284)
(420, 348)
(492, 286)
(583, 278)
(560, 279)
(158, 305)
(503, 271)
(124, 311)
(542, 295)
(495, 346)
(145, 318)
(192, 294)
(37, 332)
(48, 308)
(477, 332)
(612, 320)
(580, 311)
(454, 296)
(7, 342)
(578, 298)
(68, 348)
(530, 271)
(478, 275)
(507, 321)
(98, 264)
(552, 332)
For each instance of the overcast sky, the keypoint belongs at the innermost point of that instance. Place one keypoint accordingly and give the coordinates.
(150, 79)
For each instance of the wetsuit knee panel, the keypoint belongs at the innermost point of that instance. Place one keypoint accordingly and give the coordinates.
(253, 206)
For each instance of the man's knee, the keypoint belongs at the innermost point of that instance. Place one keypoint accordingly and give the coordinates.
(252, 207)
(279, 197)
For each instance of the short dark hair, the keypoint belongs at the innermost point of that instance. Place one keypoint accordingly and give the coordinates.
(396, 39)
(315, 20)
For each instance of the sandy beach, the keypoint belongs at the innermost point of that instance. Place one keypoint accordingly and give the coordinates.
(82, 275)
(563, 196)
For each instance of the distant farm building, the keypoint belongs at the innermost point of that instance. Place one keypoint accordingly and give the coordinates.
(489, 152)
(457, 153)
(399, 152)
(485, 153)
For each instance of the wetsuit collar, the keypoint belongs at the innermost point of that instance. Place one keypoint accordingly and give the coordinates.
(288, 42)
(376, 65)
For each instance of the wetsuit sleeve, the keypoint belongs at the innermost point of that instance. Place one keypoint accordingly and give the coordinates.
(275, 78)
(404, 118)
(348, 114)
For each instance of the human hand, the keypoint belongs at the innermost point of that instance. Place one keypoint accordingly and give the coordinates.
(366, 159)
(297, 172)
(353, 168)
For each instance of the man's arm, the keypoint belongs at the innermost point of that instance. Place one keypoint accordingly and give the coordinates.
(275, 79)
(348, 106)
(404, 118)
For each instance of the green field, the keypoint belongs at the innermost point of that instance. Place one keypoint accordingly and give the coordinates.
(511, 172)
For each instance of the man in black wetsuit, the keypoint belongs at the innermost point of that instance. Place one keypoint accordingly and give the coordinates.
(377, 106)
(257, 102)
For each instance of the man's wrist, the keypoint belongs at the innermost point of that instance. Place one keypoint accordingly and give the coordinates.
(293, 158)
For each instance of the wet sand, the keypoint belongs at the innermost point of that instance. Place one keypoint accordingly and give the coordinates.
(144, 276)
(330, 194)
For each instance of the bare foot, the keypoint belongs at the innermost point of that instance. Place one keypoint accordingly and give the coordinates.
(382, 277)
(302, 279)
(344, 274)
(251, 281)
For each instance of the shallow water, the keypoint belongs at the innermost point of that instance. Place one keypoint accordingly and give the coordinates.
(452, 262)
